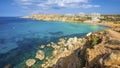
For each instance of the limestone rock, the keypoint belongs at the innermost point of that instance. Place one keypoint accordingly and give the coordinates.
(54, 52)
(89, 34)
(48, 45)
(40, 55)
(112, 59)
(71, 61)
(42, 46)
(30, 62)
(93, 55)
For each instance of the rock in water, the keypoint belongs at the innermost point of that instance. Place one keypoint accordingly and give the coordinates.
(30, 62)
(40, 55)
(42, 46)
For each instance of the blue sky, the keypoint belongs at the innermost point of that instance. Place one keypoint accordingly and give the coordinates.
(27, 7)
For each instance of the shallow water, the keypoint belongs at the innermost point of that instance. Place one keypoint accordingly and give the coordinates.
(21, 38)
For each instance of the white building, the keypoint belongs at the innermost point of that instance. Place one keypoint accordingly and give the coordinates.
(69, 14)
(94, 18)
(82, 14)
(95, 15)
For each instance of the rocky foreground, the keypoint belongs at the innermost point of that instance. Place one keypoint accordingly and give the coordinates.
(97, 50)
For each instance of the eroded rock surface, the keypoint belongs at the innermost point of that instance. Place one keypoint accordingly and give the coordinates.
(71, 61)
(106, 54)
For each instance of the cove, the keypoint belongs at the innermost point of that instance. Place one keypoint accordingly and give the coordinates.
(20, 38)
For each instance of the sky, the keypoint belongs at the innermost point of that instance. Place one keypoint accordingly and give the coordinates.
(27, 7)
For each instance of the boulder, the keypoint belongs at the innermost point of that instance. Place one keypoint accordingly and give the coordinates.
(48, 45)
(40, 55)
(30, 62)
(42, 46)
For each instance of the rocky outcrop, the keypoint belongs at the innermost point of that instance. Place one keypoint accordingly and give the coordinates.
(97, 50)
(30, 62)
(40, 55)
(42, 46)
(100, 50)
(104, 54)
(116, 28)
(111, 59)
(71, 61)
(64, 50)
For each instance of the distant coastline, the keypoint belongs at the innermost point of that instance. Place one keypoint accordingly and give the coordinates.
(94, 18)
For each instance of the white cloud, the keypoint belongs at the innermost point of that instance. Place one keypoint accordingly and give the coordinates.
(65, 2)
(24, 0)
(26, 3)
(41, 5)
(89, 6)
(75, 1)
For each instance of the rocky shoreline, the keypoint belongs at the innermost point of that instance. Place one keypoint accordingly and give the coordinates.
(97, 50)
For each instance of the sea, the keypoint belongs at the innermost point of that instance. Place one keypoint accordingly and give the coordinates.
(20, 38)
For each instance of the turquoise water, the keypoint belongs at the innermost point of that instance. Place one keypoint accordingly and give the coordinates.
(21, 38)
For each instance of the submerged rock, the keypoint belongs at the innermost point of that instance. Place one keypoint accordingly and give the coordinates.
(30, 62)
(42, 46)
(8, 66)
(40, 55)
(48, 45)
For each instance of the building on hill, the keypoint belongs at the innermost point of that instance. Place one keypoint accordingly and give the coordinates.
(82, 14)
